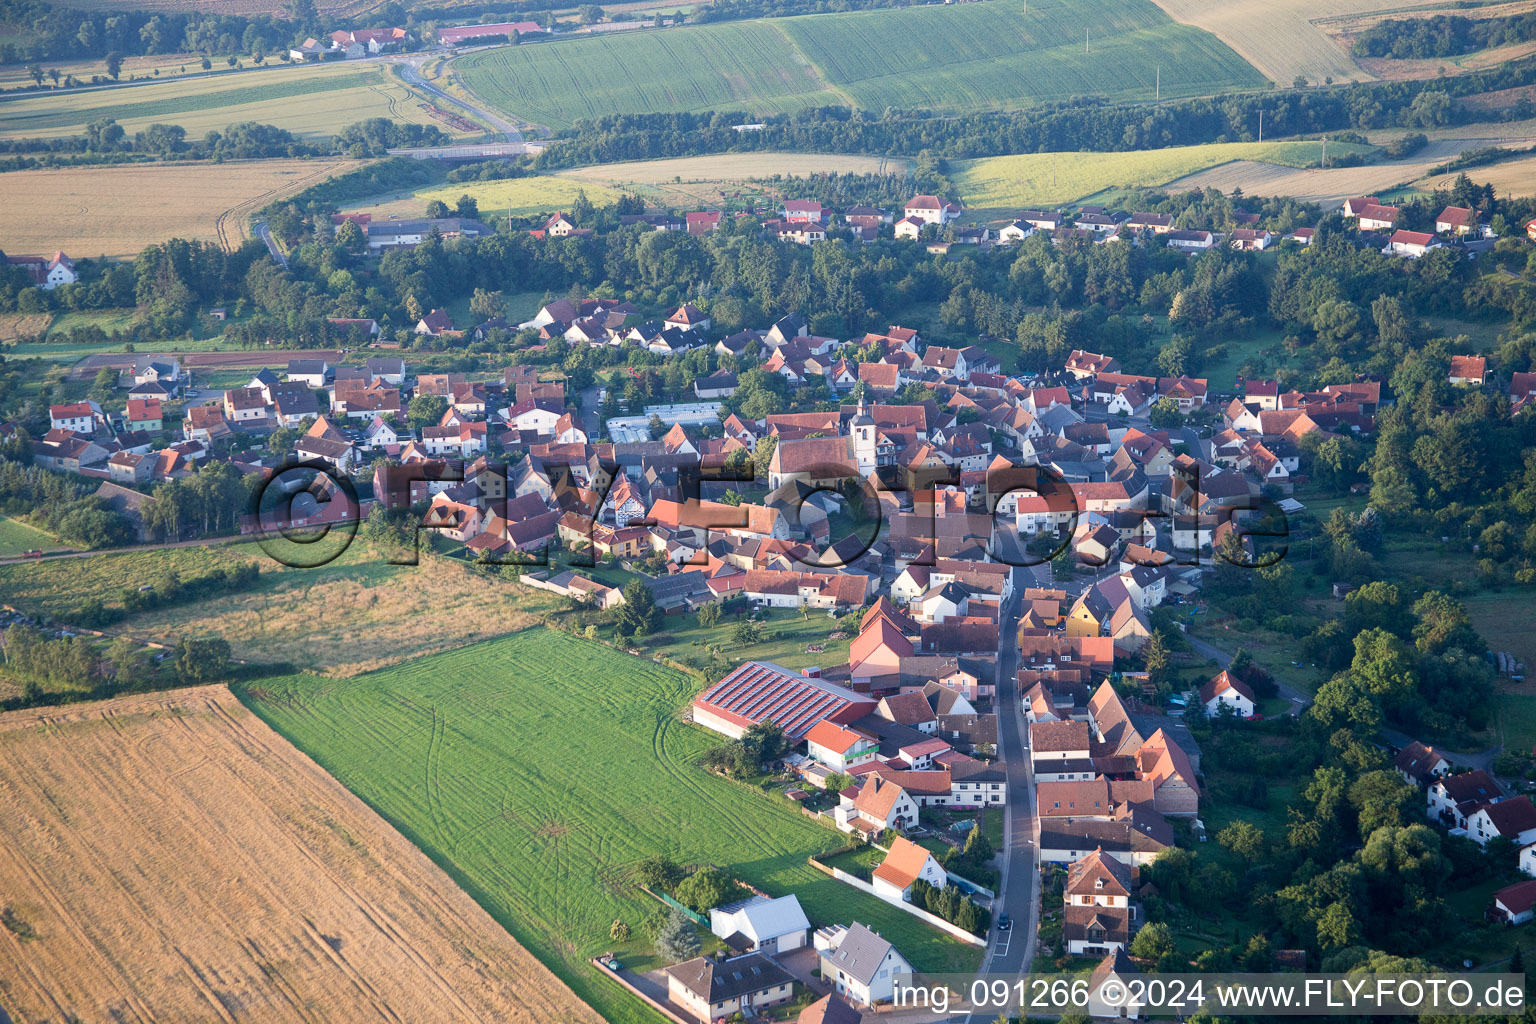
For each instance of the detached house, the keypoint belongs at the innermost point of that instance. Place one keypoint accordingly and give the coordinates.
(1468, 370)
(875, 806)
(926, 209)
(903, 867)
(1513, 819)
(761, 925)
(80, 417)
(1098, 909)
(840, 747)
(860, 964)
(715, 989)
(1228, 692)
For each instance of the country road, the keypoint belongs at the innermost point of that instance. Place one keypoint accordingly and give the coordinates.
(410, 69)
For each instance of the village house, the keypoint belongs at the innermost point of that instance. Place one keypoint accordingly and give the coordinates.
(713, 989)
(1419, 764)
(1226, 694)
(860, 965)
(1375, 217)
(876, 805)
(143, 414)
(77, 417)
(903, 866)
(1098, 911)
(840, 747)
(1452, 799)
(761, 925)
(928, 209)
(1514, 904)
(46, 272)
(1468, 370)
(1411, 244)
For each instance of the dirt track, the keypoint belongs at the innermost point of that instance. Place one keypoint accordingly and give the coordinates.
(170, 858)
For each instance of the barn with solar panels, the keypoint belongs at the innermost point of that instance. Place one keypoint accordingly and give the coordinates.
(760, 691)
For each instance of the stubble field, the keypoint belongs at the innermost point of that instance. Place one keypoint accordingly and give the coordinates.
(956, 58)
(539, 768)
(117, 211)
(171, 858)
(1284, 40)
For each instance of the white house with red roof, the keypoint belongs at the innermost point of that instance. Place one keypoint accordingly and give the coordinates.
(80, 417)
(1411, 244)
(1229, 692)
(45, 272)
(904, 866)
(926, 209)
(840, 747)
(1467, 370)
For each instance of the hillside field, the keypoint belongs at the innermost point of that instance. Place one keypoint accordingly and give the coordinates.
(169, 857)
(355, 614)
(971, 57)
(538, 769)
(518, 196)
(310, 101)
(1284, 40)
(118, 210)
(1004, 183)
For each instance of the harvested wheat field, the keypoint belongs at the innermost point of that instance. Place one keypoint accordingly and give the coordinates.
(117, 211)
(1509, 178)
(170, 858)
(1286, 39)
(1315, 184)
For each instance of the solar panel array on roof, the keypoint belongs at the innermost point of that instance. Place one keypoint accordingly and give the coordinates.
(763, 692)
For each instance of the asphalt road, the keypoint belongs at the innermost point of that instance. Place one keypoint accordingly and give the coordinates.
(1012, 952)
(410, 68)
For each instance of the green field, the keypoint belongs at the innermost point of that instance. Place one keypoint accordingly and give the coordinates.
(536, 769)
(17, 537)
(510, 196)
(309, 101)
(965, 57)
(1027, 179)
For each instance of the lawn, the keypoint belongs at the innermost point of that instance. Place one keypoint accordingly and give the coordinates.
(1003, 183)
(786, 635)
(312, 101)
(538, 768)
(999, 55)
(17, 537)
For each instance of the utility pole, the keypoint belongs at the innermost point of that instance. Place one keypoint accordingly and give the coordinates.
(1085, 40)
(1157, 93)
(1325, 151)
(1261, 124)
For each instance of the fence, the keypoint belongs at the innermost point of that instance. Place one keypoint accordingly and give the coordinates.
(698, 919)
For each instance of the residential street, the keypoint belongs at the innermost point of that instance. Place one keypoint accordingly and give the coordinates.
(1012, 952)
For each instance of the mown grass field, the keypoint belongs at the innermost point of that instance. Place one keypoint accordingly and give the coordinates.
(117, 211)
(519, 196)
(1028, 179)
(538, 768)
(970, 57)
(17, 537)
(309, 101)
(705, 180)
